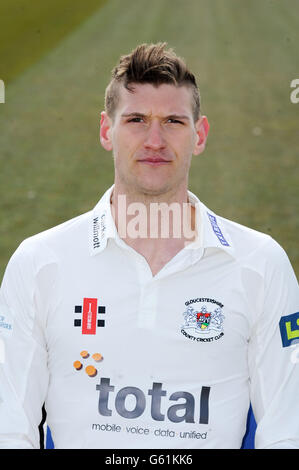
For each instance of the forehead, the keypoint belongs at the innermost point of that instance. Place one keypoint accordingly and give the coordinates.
(157, 100)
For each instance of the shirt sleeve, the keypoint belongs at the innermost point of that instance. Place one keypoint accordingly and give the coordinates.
(23, 353)
(274, 354)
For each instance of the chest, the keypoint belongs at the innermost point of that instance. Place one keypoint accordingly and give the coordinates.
(201, 316)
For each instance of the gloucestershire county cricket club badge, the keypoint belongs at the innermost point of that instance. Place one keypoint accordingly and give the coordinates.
(203, 320)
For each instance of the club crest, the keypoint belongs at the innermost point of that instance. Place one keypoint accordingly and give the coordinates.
(204, 323)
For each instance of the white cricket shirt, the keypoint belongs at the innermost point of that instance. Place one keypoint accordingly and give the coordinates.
(125, 359)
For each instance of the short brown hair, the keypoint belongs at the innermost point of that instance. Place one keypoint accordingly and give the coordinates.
(154, 64)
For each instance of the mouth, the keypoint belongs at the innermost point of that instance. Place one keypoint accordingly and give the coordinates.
(154, 161)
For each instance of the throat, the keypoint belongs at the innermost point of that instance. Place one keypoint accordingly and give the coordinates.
(157, 253)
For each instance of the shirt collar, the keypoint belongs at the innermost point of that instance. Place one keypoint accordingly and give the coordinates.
(211, 232)
(102, 226)
(210, 228)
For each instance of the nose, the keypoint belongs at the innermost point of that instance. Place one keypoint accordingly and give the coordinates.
(154, 139)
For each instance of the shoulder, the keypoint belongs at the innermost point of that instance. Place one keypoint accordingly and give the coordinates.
(48, 246)
(254, 246)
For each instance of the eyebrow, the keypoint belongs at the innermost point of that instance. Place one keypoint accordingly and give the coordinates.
(171, 116)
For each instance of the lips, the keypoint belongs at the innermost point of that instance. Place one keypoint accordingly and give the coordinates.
(154, 161)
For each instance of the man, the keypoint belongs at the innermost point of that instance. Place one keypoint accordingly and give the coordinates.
(150, 322)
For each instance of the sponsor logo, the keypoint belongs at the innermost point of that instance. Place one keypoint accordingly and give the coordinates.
(6, 320)
(289, 329)
(131, 402)
(89, 320)
(217, 230)
(90, 369)
(176, 413)
(205, 323)
(4, 324)
(99, 229)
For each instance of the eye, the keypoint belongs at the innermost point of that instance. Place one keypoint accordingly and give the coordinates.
(136, 119)
(175, 121)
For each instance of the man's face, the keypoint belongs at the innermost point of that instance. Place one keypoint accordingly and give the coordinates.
(153, 136)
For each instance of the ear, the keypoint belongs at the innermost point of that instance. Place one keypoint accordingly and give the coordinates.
(105, 131)
(202, 127)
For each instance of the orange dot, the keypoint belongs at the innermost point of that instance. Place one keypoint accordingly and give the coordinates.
(77, 365)
(97, 357)
(84, 354)
(91, 371)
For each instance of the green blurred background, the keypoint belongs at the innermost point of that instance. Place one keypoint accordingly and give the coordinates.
(56, 58)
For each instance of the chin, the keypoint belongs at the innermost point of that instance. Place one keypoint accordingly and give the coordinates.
(153, 190)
